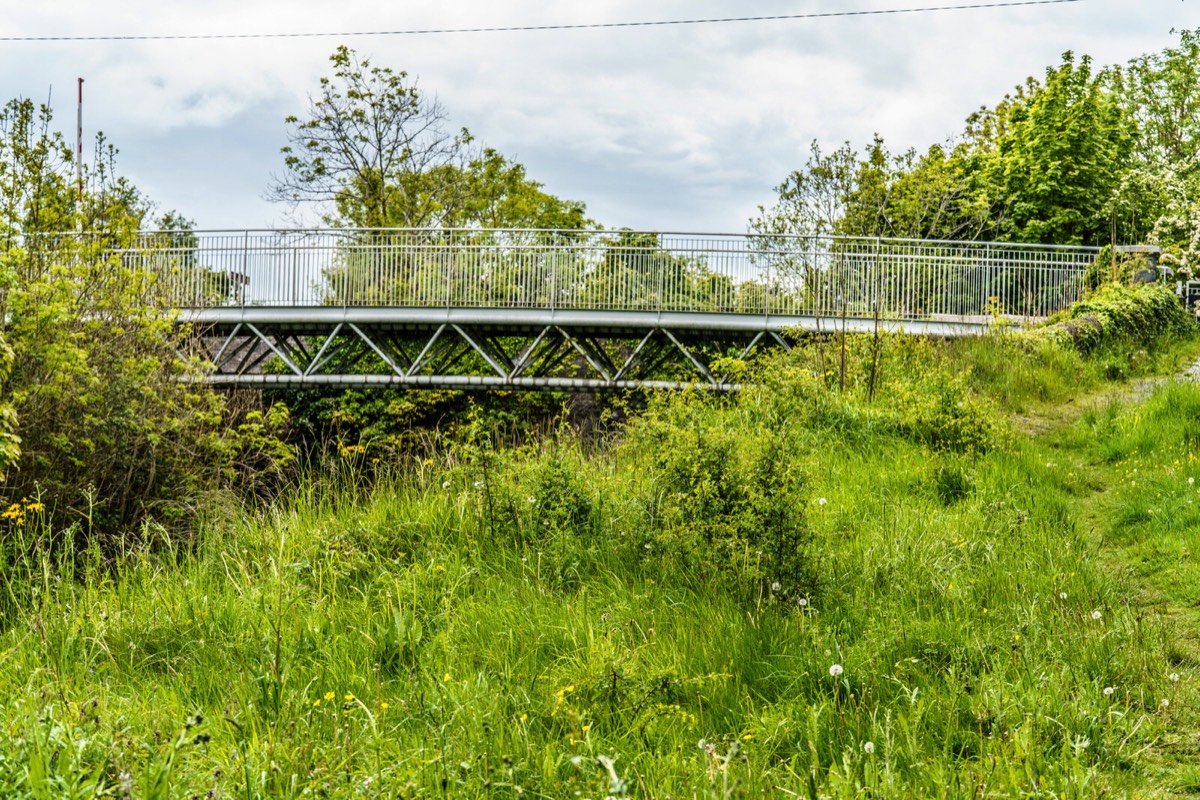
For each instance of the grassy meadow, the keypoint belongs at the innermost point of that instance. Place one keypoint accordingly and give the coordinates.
(947, 569)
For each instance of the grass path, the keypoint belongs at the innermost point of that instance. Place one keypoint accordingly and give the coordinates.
(1134, 469)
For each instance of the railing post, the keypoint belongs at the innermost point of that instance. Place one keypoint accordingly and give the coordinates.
(658, 261)
(245, 265)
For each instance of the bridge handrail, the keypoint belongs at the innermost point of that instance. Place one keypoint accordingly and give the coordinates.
(751, 273)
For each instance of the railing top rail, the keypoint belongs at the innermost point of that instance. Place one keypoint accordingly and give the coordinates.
(747, 236)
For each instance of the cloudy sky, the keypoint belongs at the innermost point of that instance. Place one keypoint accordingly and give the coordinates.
(683, 127)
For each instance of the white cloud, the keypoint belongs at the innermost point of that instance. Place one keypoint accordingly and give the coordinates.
(674, 126)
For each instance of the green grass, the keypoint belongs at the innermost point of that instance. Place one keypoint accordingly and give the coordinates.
(660, 615)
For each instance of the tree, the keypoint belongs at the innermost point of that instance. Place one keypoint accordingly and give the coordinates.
(1053, 155)
(1162, 92)
(113, 427)
(812, 200)
(374, 152)
(372, 148)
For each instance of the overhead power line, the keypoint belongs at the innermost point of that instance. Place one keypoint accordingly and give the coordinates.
(518, 28)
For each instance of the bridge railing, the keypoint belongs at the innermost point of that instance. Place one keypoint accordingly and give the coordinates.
(609, 270)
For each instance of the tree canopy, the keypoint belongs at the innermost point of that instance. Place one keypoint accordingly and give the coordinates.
(374, 151)
(1082, 155)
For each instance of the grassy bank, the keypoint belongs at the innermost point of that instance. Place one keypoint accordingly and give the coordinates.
(848, 581)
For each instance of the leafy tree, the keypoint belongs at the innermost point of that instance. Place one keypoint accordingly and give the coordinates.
(500, 195)
(1053, 155)
(1053, 162)
(113, 428)
(1163, 95)
(813, 199)
(372, 147)
(1162, 92)
(375, 152)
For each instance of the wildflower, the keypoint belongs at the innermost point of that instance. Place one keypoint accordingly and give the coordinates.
(836, 670)
(1108, 691)
(478, 484)
(384, 706)
(316, 703)
(349, 698)
(802, 602)
(329, 696)
(1062, 595)
(821, 501)
(775, 586)
(869, 748)
(1096, 614)
(1174, 677)
(1165, 703)
(586, 728)
(446, 678)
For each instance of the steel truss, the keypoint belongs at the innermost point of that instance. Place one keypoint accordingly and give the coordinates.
(460, 355)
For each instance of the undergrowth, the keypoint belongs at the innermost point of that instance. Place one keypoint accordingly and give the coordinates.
(842, 582)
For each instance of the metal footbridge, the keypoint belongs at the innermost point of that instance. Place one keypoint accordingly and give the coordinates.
(569, 310)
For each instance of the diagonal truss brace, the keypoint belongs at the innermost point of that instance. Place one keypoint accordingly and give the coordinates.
(544, 357)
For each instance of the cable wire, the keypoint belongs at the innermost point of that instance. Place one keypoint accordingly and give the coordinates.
(520, 28)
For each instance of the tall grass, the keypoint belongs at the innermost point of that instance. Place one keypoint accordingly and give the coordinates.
(878, 589)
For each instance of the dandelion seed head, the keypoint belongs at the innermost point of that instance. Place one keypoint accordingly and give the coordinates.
(1109, 690)
(1096, 614)
(836, 670)
(868, 747)
(1174, 677)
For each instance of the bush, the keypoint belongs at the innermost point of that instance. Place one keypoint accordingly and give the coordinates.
(114, 427)
(725, 500)
(1116, 313)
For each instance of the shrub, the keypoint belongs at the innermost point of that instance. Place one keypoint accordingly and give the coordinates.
(114, 427)
(1121, 314)
(725, 500)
